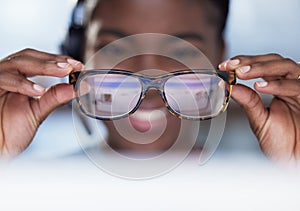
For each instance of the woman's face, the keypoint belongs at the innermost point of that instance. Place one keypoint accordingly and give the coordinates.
(191, 20)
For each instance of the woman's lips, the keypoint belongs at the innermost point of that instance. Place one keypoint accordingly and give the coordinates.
(143, 120)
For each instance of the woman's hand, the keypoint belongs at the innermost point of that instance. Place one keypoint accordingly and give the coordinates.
(276, 126)
(20, 113)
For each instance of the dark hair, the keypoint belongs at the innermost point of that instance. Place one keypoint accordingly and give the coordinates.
(223, 7)
(73, 43)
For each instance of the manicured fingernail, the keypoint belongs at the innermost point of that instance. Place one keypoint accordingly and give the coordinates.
(73, 62)
(244, 69)
(231, 63)
(63, 65)
(234, 62)
(262, 84)
(223, 64)
(38, 88)
(82, 67)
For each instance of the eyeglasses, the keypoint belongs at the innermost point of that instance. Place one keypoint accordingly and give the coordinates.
(188, 94)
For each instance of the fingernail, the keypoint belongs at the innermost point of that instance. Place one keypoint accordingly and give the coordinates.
(63, 65)
(262, 84)
(234, 62)
(73, 62)
(223, 64)
(244, 69)
(38, 88)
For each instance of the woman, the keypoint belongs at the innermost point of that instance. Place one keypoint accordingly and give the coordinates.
(276, 127)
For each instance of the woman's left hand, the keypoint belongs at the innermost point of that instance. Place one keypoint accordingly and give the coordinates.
(276, 126)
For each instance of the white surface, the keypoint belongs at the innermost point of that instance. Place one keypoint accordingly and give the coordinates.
(75, 184)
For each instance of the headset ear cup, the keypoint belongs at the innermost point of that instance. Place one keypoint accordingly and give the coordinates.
(73, 43)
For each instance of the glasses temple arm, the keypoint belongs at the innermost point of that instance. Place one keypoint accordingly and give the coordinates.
(228, 76)
(73, 78)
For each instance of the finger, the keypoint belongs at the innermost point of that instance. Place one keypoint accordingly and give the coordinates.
(253, 106)
(46, 56)
(288, 88)
(31, 66)
(19, 84)
(53, 98)
(269, 70)
(239, 61)
(38, 54)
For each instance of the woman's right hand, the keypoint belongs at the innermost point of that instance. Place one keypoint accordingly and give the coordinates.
(24, 104)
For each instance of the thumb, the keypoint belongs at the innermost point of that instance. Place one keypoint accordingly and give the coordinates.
(253, 106)
(53, 98)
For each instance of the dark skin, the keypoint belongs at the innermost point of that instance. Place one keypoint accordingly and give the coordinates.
(136, 17)
(20, 113)
(277, 126)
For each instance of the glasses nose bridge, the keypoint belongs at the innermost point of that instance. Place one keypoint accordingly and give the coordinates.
(156, 83)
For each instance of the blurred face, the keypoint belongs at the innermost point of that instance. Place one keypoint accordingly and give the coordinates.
(191, 20)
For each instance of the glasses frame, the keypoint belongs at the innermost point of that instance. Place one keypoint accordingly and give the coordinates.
(156, 82)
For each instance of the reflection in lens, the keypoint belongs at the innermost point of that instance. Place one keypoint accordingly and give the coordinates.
(110, 95)
(110, 160)
(195, 95)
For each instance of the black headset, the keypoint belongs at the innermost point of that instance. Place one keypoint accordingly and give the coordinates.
(73, 43)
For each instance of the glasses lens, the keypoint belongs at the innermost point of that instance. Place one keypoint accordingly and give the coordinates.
(109, 95)
(196, 95)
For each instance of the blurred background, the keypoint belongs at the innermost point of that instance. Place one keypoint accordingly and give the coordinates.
(254, 27)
